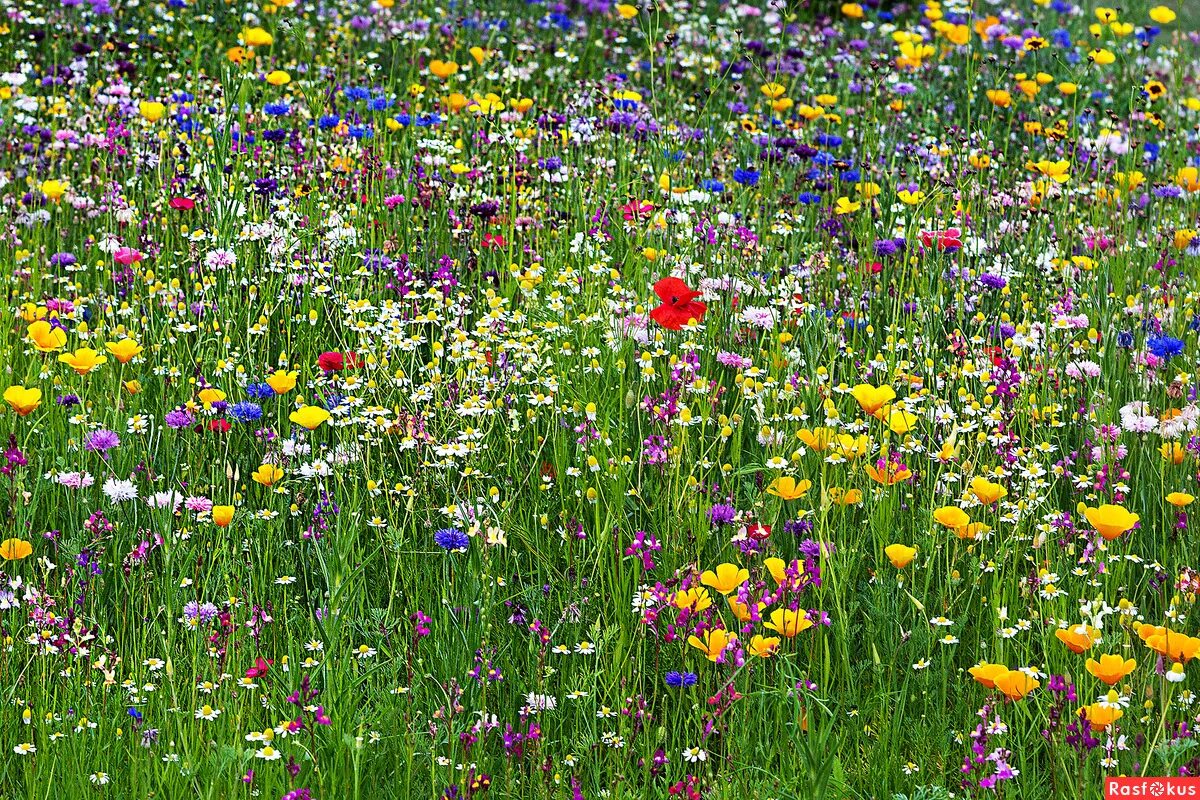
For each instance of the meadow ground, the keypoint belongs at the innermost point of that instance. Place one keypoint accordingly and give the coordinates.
(583, 400)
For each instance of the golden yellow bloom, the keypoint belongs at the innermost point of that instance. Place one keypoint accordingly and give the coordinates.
(726, 578)
(788, 488)
(46, 337)
(222, 516)
(53, 189)
(15, 549)
(1016, 684)
(788, 623)
(901, 555)
(986, 673)
(267, 475)
(256, 37)
(23, 401)
(442, 69)
(282, 381)
(1078, 638)
(309, 417)
(83, 360)
(151, 111)
(124, 350)
(714, 642)
(1110, 520)
(278, 77)
(987, 491)
(764, 646)
(872, 398)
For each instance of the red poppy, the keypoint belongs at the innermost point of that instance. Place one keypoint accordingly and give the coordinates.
(493, 240)
(182, 203)
(334, 361)
(219, 426)
(950, 239)
(679, 304)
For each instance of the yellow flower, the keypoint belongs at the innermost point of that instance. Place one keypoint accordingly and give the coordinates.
(124, 350)
(852, 10)
(1162, 15)
(627, 11)
(151, 111)
(478, 53)
(222, 516)
(210, 395)
(901, 555)
(442, 69)
(846, 206)
(309, 417)
(1102, 56)
(788, 488)
(1111, 521)
(278, 77)
(986, 491)
(999, 97)
(267, 475)
(53, 189)
(83, 360)
(23, 401)
(1172, 451)
(282, 381)
(714, 642)
(237, 55)
(788, 623)
(726, 578)
(901, 421)
(1100, 715)
(256, 37)
(15, 549)
(844, 497)
(45, 337)
(764, 646)
(952, 517)
(773, 90)
(871, 398)
(1110, 668)
(1054, 170)
(818, 438)
(1180, 499)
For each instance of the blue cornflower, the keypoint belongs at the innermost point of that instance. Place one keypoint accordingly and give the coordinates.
(277, 109)
(245, 411)
(451, 540)
(680, 680)
(746, 177)
(1164, 346)
(260, 391)
(328, 121)
(712, 185)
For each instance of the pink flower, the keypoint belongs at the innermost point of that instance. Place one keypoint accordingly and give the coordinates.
(127, 255)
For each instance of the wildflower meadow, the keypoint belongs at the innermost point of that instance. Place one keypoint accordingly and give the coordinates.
(530, 399)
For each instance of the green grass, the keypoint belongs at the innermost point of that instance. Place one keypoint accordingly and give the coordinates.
(487, 275)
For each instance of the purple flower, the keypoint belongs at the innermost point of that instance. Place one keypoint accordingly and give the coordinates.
(101, 441)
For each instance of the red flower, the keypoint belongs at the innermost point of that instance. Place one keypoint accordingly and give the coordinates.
(949, 239)
(493, 240)
(334, 361)
(679, 304)
(182, 203)
(219, 426)
(635, 209)
(758, 532)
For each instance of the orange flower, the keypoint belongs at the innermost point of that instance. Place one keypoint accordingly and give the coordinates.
(764, 646)
(1110, 521)
(45, 337)
(986, 673)
(1016, 684)
(952, 517)
(15, 549)
(1111, 668)
(986, 491)
(1100, 716)
(694, 599)
(1078, 638)
(222, 516)
(900, 555)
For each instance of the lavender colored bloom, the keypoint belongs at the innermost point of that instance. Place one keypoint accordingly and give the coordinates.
(101, 441)
(722, 514)
(178, 419)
